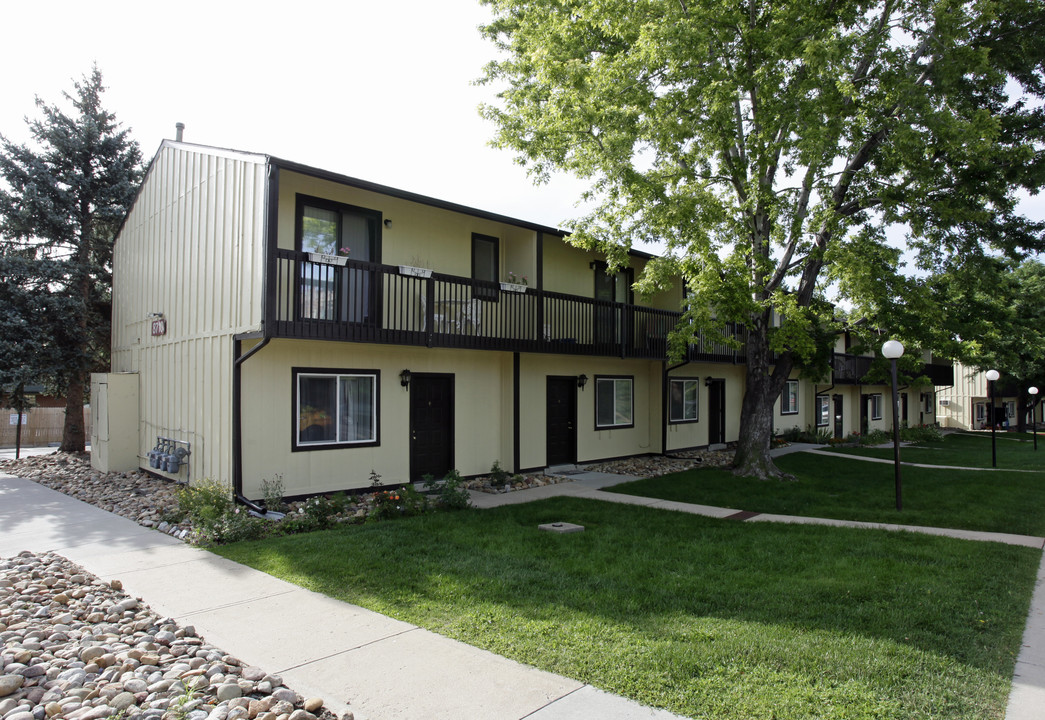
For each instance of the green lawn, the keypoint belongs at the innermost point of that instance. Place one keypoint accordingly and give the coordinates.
(1015, 451)
(707, 618)
(1012, 502)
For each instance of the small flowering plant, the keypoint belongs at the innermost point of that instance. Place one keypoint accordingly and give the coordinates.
(344, 251)
(517, 279)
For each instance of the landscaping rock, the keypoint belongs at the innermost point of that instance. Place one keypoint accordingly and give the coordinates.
(124, 661)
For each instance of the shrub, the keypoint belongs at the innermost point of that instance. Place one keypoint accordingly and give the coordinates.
(273, 493)
(921, 433)
(450, 494)
(499, 477)
(232, 526)
(204, 502)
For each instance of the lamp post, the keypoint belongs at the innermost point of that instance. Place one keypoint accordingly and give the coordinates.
(992, 375)
(893, 349)
(1033, 391)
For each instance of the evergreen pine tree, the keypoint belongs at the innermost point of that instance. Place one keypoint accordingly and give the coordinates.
(61, 203)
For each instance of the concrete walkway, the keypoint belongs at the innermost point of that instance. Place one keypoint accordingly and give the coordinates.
(376, 666)
(354, 659)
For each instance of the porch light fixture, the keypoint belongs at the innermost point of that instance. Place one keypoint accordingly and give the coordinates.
(582, 380)
(893, 350)
(388, 223)
(1033, 392)
(404, 378)
(707, 381)
(992, 377)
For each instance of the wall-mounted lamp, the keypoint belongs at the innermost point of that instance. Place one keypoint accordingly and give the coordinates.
(582, 380)
(404, 378)
(154, 315)
(707, 381)
(388, 223)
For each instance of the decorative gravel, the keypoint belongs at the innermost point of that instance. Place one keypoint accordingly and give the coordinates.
(654, 465)
(76, 648)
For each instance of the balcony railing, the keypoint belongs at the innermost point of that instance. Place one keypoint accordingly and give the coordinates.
(371, 302)
(853, 369)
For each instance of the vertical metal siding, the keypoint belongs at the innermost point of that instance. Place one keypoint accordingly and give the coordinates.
(193, 248)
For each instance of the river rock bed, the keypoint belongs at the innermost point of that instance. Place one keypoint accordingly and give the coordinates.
(77, 648)
(654, 465)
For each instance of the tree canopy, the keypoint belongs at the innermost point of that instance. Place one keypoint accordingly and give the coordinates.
(781, 149)
(61, 201)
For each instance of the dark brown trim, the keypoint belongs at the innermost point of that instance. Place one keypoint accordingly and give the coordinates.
(238, 359)
(295, 372)
(516, 381)
(375, 216)
(482, 290)
(271, 233)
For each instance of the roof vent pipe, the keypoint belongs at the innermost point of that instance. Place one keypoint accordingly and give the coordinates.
(180, 127)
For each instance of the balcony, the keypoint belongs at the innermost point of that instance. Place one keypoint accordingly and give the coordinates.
(853, 369)
(370, 302)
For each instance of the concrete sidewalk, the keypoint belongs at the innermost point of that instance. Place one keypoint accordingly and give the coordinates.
(352, 658)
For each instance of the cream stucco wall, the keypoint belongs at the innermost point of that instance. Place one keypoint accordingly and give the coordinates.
(482, 414)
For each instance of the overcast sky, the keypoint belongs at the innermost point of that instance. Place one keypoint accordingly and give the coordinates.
(381, 91)
(377, 90)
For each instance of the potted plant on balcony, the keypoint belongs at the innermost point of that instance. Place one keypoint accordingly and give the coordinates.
(340, 259)
(418, 269)
(515, 283)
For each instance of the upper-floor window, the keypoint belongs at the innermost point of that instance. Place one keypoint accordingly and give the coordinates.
(683, 396)
(614, 405)
(333, 228)
(789, 400)
(823, 410)
(485, 264)
(335, 408)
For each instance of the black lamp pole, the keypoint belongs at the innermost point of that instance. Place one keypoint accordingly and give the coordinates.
(993, 375)
(1033, 421)
(893, 349)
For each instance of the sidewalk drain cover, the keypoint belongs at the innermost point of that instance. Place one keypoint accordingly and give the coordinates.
(561, 527)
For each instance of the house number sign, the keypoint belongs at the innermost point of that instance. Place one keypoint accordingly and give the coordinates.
(159, 327)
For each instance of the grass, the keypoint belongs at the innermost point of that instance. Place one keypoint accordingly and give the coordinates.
(846, 489)
(1015, 451)
(706, 618)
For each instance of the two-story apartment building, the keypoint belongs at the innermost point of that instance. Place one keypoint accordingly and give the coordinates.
(274, 319)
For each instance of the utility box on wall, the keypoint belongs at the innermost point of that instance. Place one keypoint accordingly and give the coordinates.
(114, 432)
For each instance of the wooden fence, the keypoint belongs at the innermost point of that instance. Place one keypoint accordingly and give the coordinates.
(40, 426)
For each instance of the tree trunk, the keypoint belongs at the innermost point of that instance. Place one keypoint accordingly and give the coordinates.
(74, 438)
(756, 419)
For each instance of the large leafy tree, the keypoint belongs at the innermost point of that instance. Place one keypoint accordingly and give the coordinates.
(62, 198)
(770, 145)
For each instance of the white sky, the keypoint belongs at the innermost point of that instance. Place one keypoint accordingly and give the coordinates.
(377, 90)
(373, 89)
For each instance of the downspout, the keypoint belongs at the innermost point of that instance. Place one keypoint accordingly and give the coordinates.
(237, 422)
(268, 322)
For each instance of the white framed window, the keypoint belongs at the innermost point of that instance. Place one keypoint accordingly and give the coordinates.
(876, 406)
(823, 411)
(1010, 409)
(981, 412)
(614, 402)
(683, 395)
(335, 408)
(789, 398)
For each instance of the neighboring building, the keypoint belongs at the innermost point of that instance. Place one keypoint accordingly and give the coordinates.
(844, 403)
(966, 404)
(274, 319)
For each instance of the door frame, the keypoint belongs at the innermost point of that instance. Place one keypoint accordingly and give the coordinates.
(717, 386)
(572, 381)
(451, 413)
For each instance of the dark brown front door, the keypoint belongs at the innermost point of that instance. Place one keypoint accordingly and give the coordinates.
(839, 426)
(562, 421)
(431, 425)
(717, 412)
